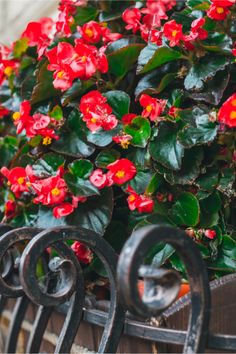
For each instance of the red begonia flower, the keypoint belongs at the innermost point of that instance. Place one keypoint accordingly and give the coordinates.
(123, 140)
(50, 191)
(10, 209)
(217, 12)
(63, 209)
(37, 35)
(121, 171)
(64, 22)
(211, 234)
(153, 107)
(127, 118)
(17, 179)
(173, 32)
(3, 111)
(142, 203)
(90, 32)
(98, 178)
(132, 17)
(96, 112)
(227, 112)
(82, 252)
(23, 120)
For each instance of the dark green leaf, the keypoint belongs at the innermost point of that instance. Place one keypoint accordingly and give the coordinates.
(161, 257)
(186, 210)
(140, 130)
(165, 148)
(204, 70)
(81, 168)
(85, 14)
(106, 157)
(48, 165)
(151, 57)
(80, 186)
(119, 102)
(95, 214)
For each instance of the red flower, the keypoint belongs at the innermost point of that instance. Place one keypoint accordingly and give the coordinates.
(223, 3)
(211, 234)
(96, 112)
(173, 32)
(90, 32)
(121, 171)
(63, 209)
(197, 32)
(217, 12)
(64, 22)
(107, 35)
(127, 118)
(23, 119)
(50, 191)
(82, 252)
(155, 12)
(77, 200)
(142, 203)
(153, 107)
(3, 111)
(10, 209)
(17, 179)
(98, 179)
(227, 113)
(123, 140)
(132, 17)
(37, 35)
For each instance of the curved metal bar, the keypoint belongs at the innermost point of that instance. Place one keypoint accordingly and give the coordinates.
(6, 242)
(131, 258)
(69, 270)
(15, 324)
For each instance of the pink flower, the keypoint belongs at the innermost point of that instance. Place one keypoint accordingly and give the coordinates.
(153, 107)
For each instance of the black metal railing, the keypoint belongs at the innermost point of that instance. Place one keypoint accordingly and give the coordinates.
(64, 284)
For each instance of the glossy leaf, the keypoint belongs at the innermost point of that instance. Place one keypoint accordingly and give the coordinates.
(186, 210)
(140, 130)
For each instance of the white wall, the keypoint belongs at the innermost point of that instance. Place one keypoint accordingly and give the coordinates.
(15, 14)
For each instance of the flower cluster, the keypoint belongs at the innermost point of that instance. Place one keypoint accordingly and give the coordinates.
(117, 115)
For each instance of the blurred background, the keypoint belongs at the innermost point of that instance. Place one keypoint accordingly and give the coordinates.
(15, 14)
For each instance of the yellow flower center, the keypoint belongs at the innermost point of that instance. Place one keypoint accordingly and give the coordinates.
(120, 174)
(8, 71)
(93, 120)
(89, 32)
(60, 74)
(234, 103)
(220, 10)
(55, 192)
(125, 144)
(28, 184)
(174, 33)
(83, 59)
(149, 108)
(232, 115)
(47, 140)
(16, 116)
(132, 198)
(20, 180)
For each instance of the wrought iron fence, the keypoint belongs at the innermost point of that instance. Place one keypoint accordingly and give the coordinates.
(64, 284)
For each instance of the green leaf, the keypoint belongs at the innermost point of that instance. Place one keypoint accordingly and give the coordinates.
(204, 70)
(151, 57)
(218, 42)
(85, 14)
(199, 130)
(156, 81)
(81, 168)
(162, 256)
(95, 214)
(154, 184)
(73, 140)
(140, 182)
(226, 182)
(140, 130)
(44, 88)
(102, 137)
(198, 4)
(186, 210)
(165, 148)
(223, 262)
(119, 102)
(8, 148)
(213, 90)
(45, 217)
(48, 165)
(209, 180)
(106, 157)
(121, 60)
(228, 247)
(20, 47)
(56, 113)
(190, 169)
(80, 186)
(211, 204)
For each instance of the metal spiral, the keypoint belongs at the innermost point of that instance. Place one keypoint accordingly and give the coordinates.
(162, 285)
(71, 284)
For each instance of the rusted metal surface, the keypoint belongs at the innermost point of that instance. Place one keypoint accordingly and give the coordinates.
(64, 286)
